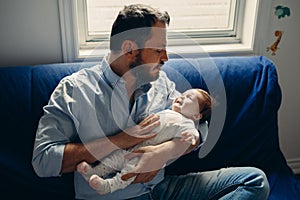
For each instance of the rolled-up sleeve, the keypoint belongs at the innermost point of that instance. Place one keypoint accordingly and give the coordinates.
(56, 128)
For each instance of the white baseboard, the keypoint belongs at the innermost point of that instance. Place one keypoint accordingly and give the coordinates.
(294, 164)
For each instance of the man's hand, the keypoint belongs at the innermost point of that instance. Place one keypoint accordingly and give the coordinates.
(144, 127)
(153, 158)
(136, 134)
(151, 161)
(141, 177)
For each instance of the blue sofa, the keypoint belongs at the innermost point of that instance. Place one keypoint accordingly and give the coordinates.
(243, 132)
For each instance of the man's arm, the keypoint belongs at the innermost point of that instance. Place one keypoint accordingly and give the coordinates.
(46, 155)
(75, 153)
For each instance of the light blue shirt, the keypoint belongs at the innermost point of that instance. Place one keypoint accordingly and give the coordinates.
(89, 104)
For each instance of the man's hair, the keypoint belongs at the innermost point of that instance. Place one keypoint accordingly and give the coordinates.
(134, 23)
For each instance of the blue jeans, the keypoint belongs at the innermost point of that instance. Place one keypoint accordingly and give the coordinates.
(227, 183)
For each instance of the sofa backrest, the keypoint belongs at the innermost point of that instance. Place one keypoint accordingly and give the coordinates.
(249, 134)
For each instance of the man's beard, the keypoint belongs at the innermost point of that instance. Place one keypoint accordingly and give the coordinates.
(140, 70)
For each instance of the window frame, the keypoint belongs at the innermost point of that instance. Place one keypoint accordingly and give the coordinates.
(244, 41)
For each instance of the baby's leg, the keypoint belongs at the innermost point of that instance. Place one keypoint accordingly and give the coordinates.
(109, 164)
(99, 184)
(85, 170)
(104, 186)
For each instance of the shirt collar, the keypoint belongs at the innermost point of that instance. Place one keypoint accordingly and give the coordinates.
(112, 78)
(115, 79)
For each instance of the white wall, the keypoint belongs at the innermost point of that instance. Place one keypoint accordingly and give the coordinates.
(30, 34)
(287, 61)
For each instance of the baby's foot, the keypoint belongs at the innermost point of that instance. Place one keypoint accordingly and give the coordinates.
(84, 168)
(99, 184)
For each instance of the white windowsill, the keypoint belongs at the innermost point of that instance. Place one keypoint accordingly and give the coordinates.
(184, 51)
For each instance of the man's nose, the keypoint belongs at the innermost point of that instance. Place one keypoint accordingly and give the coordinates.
(164, 56)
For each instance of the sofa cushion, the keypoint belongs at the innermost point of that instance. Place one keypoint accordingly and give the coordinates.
(15, 101)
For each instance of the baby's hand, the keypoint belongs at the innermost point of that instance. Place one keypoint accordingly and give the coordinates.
(188, 138)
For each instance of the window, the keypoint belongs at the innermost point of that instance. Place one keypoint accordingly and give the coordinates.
(216, 25)
(196, 18)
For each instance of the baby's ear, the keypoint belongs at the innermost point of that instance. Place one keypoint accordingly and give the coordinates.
(197, 116)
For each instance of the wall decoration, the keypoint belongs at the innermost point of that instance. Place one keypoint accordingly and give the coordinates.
(282, 11)
(274, 46)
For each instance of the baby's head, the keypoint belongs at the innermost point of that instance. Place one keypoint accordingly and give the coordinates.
(194, 104)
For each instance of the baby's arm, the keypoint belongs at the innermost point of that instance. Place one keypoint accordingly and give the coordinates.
(188, 137)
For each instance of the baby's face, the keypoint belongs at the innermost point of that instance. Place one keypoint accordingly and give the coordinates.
(187, 104)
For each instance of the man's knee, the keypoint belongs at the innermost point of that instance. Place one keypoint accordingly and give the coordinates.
(258, 181)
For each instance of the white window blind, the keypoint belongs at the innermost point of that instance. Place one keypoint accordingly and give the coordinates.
(198, 18)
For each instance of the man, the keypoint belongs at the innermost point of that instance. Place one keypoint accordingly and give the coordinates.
(106, 107)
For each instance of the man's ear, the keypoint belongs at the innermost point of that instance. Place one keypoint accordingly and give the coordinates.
(128, 47)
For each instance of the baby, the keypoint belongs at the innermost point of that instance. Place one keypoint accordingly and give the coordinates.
(188, 110)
